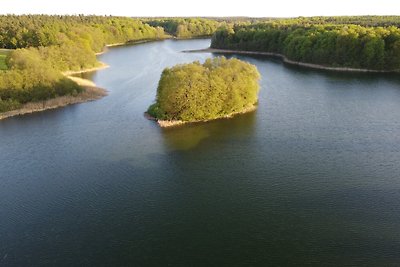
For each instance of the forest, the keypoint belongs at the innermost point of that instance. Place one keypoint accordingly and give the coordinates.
(336, 42)
(187, 27)
(198, 92)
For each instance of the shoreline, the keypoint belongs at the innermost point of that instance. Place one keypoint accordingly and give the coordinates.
(73, 72)
(174, 123)
(286, 60)
(193, 38)
(105, 48)
(90, 93)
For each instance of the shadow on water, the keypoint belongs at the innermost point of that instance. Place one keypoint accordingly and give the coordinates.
(190, 136)
(343, 75)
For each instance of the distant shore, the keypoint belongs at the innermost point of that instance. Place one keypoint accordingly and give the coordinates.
(90, 93)
(105, 48)
(173, 123)
(285, 60)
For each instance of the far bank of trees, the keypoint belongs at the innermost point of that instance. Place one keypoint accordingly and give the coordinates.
(337, 45)
(187, 28)
(196, 92)
(90, 31)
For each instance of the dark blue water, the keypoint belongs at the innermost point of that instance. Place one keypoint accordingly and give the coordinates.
(312, 178)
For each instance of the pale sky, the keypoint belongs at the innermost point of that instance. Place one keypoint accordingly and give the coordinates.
(250, 8)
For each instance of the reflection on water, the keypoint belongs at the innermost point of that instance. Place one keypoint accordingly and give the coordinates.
(189, 136)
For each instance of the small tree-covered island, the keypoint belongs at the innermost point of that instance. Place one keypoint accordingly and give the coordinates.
(195, 92)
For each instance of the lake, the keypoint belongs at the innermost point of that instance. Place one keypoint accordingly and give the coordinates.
(311, 178)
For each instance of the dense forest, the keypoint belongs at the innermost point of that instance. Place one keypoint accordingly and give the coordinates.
(372, 21)
(188, 27)
(3, 57)
(196, 92)
(323, 41)
(47, 45)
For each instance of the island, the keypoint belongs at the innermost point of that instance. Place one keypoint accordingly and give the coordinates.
(195, 92)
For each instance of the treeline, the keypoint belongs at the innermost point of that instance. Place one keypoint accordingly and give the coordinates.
(195, 92)
(187, 28)
(337, 45)
(92, 31)
(47, 45)
(370, 21)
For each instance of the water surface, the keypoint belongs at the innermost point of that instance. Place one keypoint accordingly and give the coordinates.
(311, 178)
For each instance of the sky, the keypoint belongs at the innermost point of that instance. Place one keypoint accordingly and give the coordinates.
(218, 8)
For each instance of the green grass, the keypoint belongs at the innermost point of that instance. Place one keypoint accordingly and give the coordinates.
(3, 55)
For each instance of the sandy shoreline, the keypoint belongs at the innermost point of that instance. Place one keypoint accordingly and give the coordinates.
(73, 72)
(105, 49)
(286, 60)
(173, 123)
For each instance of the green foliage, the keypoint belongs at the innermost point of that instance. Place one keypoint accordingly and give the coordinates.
(3, 56)
(34, 82)
(155, 111)
(3, 65)
(92, 32)
(324, 41)
(194, 92)
(188, 27)
(9, 104)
